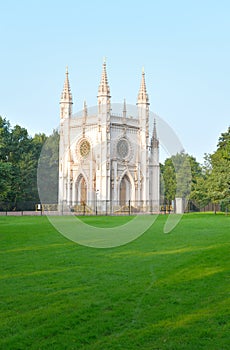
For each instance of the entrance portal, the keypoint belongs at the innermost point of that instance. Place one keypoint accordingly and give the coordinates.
(125, 190)
(82, 190)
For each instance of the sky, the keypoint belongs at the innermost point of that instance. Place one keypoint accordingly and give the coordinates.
(184, 47)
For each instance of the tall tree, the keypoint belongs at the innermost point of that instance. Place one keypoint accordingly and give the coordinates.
(218, 179)
(48, 170)
(180, 173)
(169, 181)
(19, 154)
(4, 139)
(5, 180)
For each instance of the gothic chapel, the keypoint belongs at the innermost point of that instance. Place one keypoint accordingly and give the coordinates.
(106, 156)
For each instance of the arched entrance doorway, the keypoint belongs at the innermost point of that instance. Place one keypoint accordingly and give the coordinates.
(81, 190)
(125, 190)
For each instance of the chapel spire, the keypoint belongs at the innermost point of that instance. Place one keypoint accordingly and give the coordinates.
(66, 98)
(104, 90)
(66, 95)
(143, 97)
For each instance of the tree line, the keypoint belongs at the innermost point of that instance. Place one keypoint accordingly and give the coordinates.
(19, 157)
(181, 174)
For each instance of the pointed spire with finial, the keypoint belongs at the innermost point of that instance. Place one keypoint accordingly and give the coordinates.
(103, 89)
(66, 99)
(66, 95)
(155, 129)
(154, 139)
(85, 111)
(124, 110)
(142, 95)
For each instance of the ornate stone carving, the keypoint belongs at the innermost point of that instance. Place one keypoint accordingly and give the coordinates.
(123, 148)
(84, 148)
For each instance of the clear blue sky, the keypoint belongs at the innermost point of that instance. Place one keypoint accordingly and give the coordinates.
(183, 45)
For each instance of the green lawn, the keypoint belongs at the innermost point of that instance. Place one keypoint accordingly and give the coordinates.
(162, 291)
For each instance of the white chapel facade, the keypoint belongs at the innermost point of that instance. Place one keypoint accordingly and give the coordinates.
(106, 156)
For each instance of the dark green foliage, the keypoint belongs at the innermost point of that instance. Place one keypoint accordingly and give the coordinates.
(169, 181)
(219, 178)
(4, 139)
(48, 170)
(5, 179)
(224, 143)
(217, 172)
(19, 154)
(184, 177)
(180, 173)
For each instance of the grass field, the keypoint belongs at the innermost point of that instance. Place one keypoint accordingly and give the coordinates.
(161, 291)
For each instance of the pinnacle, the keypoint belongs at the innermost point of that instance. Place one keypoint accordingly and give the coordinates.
(154, 129)
(103, 89)
(124, 109)
(154, 139)
(66, 92)
(124, 106)
(142, 95)
(85, 111)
